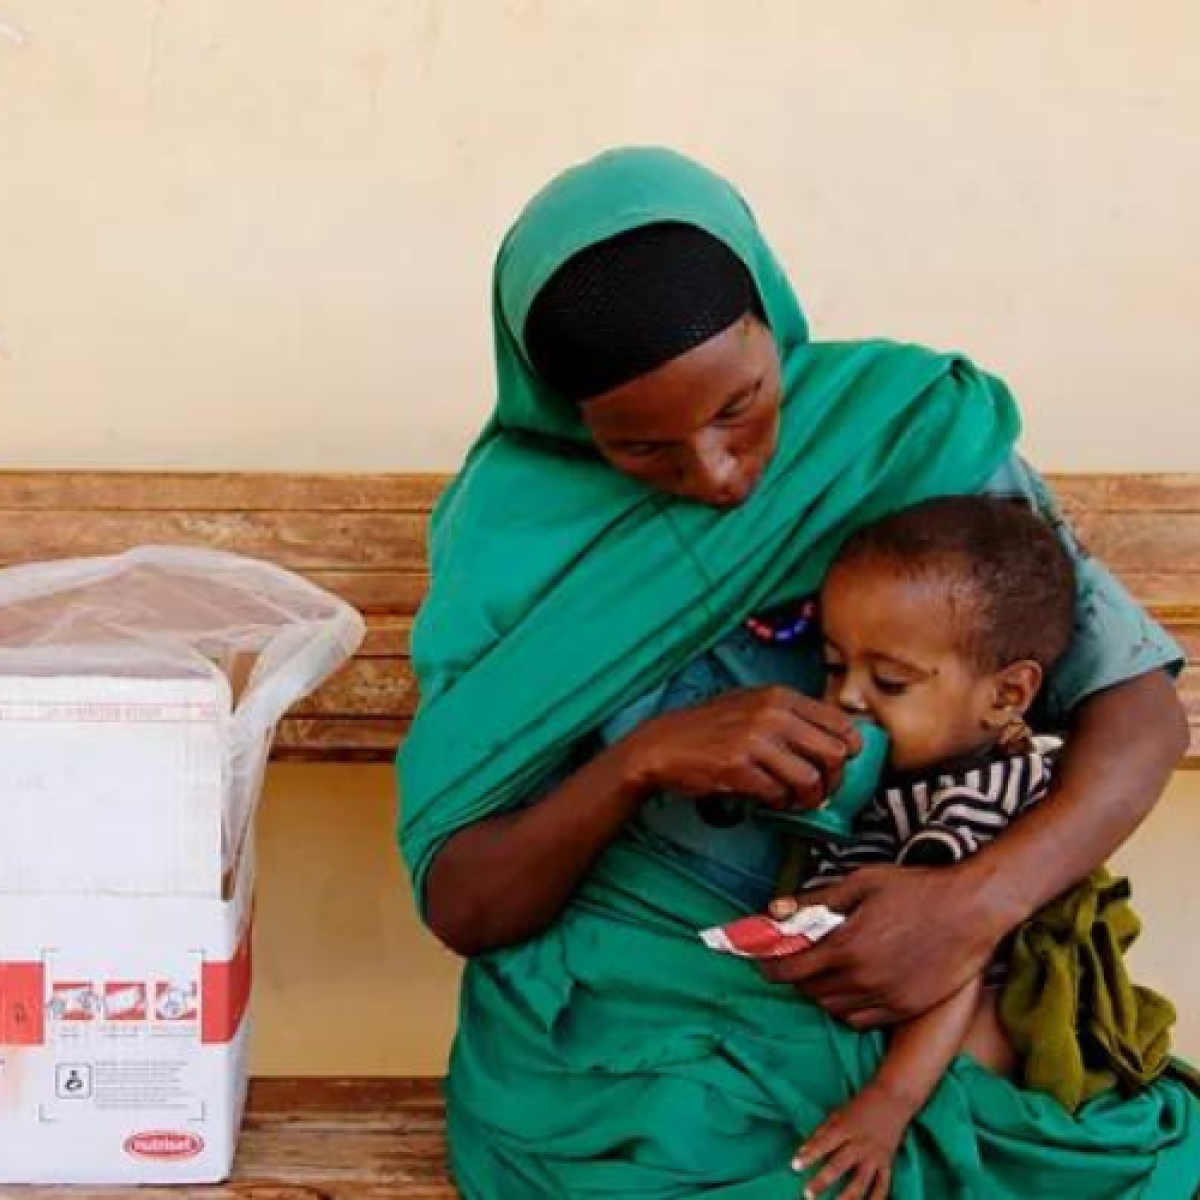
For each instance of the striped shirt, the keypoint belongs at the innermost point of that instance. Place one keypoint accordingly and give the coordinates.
(941, 819)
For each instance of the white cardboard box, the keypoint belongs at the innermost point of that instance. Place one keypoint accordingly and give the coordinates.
(112, 785)
(123, 1034)
(124, 968)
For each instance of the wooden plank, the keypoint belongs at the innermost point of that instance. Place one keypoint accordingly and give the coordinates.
(252, 1189)
(1169, 595)
(338, 739)
(1152, 543)
(1127, 492)
(185, 491)
(388, 636)
(320, 1139)
(375, 591)
(365, 687)
(299, 540)
(402, 1187)
(283, 1098)
(416, 491)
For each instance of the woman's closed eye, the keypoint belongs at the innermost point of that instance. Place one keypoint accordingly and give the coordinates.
(891, 687)
(639, 449)
(738, 408)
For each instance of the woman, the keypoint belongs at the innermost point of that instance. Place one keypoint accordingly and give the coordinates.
(671, 457)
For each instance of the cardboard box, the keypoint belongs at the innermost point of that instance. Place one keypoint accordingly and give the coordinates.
(124, 969)
(112, 785)
(123, 1036)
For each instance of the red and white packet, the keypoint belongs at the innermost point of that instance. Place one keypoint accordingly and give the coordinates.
(765, 937)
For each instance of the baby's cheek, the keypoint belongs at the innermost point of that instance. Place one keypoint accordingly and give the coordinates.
(916, 740)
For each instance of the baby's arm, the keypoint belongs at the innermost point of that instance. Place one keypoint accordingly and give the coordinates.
(860, 1139)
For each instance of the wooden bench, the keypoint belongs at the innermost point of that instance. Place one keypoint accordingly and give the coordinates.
(363, 536)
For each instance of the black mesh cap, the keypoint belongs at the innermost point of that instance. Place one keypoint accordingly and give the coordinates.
(624, 306)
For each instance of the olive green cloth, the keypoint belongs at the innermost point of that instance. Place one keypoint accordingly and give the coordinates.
(1078, 1023)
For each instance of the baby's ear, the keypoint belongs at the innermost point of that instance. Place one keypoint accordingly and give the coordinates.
(1016, 686)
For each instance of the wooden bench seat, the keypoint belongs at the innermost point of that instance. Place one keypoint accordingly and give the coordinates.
(363, 536)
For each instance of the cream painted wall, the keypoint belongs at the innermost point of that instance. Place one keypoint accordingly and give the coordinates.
(257, 233)
(348, 982)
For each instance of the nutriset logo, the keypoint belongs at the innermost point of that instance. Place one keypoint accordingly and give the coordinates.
(163, 1146)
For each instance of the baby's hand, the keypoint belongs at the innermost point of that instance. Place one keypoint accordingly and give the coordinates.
(859, 1141)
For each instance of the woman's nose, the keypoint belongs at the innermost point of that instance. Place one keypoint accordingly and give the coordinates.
(708, 466)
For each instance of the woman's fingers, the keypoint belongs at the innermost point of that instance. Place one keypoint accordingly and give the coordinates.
(812, 745)
(727, 746)
(751, 779)
(794, 737)
(803, 779)
(827, 717)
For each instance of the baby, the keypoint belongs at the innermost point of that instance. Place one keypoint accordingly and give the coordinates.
(940, 623)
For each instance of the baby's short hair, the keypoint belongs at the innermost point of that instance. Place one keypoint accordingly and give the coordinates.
(1010, 582)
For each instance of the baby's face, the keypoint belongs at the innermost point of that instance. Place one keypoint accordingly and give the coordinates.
(891, 656)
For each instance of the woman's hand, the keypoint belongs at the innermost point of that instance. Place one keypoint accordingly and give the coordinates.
(769, 744)
(912, 936)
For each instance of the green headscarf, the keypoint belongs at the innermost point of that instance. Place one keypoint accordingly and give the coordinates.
(562, 589)
(614, 1055)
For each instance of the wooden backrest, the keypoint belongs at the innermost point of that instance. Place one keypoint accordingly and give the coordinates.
(363, 537)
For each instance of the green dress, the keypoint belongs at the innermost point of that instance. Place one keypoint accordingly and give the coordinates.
(614, 1056)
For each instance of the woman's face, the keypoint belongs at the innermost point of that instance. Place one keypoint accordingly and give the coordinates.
(702, 426)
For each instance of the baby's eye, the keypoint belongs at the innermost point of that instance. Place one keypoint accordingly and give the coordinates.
(836, 669)
(892, 687)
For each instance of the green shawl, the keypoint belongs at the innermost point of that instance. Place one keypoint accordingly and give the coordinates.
(614, 1056)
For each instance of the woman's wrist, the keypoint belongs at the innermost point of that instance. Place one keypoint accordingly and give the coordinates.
(992, 894)
(635, 770)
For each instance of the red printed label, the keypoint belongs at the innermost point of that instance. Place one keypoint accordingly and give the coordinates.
(125, 1002)
(763, 937)
(22, 1017)
(224, 995)
(164, 1146)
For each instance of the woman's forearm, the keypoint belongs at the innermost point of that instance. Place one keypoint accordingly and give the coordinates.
(508, 877)
(1123, 744)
